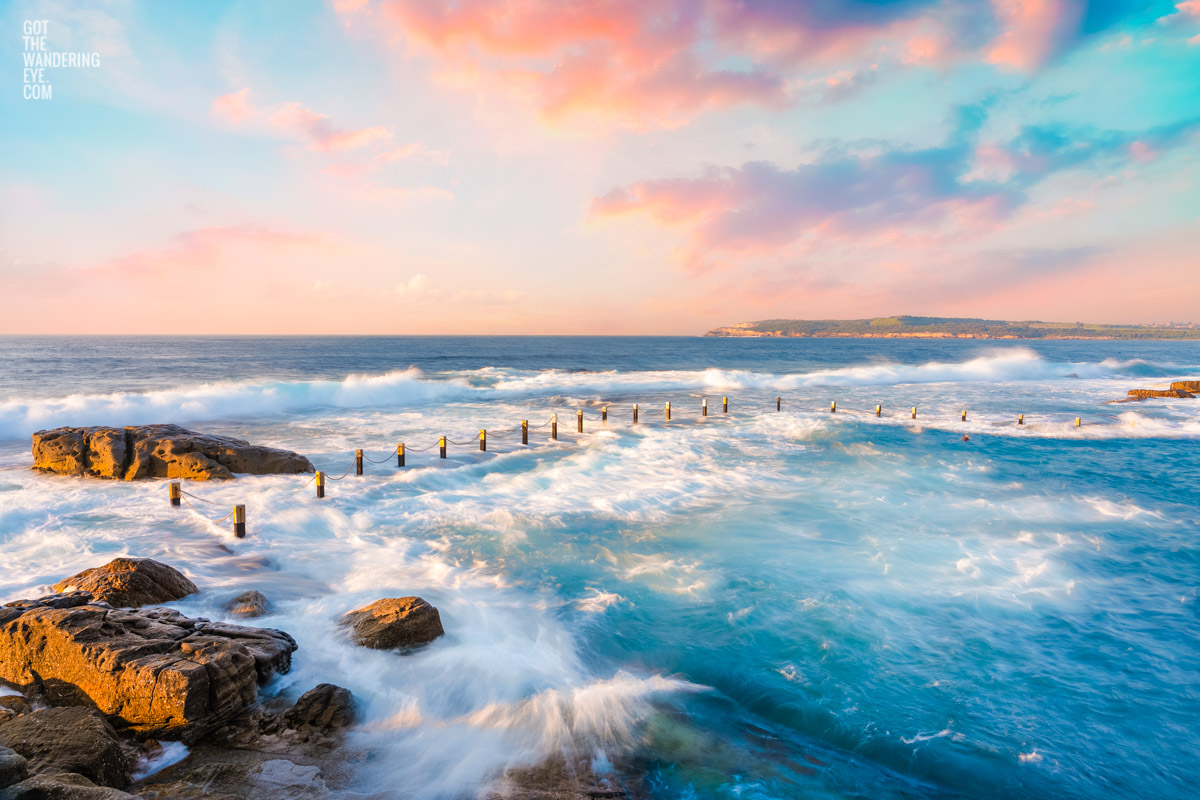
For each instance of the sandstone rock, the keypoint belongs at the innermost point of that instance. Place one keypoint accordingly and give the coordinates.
(78, 740)
(249, 605)
(157, 451)
(394, 622)
(322, 709)
(1143, 394)
(13, 767)
(152, 671)
(66, 786)
(1187, 386)
(130, 582)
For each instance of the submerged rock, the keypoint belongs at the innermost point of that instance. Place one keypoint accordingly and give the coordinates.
(130, 582)
(79, 740)
(153, 671)
(157, 451)
(249, 605)
(394, 622)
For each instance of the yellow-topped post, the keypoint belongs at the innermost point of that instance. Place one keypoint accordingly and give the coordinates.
(239, 522)
(400, 455)
(482, 440)
(442, 447)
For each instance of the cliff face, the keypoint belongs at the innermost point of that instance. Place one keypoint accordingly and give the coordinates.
(157, 451)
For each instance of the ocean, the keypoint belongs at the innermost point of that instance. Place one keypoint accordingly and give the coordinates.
(759, 604)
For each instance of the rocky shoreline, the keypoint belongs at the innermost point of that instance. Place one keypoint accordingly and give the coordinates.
(98, 685)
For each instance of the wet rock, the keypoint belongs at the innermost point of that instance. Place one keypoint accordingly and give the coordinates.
(66, 786)
(1186, 386)
(220, 774)
(78, 740)
(130, 582)
(13, 706)
(1144, 394)
(394, 622)
(152, 671)
(13, 767)
(321, 710)
(157, 451)
(249, 605)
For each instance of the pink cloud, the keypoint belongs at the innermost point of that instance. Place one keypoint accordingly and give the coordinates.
(234, 107)
(202, 249)
(1032, 30)
(298, 121)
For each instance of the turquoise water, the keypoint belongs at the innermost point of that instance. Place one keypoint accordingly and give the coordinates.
(761, 604)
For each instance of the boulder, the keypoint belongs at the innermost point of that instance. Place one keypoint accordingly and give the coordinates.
(321, 710)
(249, 605)
(153, 671)
(65, 786)
(394, 622)
(1143, 394)
(13, 767)
(78, 740)
(1192, 387)
(157, 451)
(130, 582)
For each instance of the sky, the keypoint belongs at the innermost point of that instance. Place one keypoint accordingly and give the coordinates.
(595, 166)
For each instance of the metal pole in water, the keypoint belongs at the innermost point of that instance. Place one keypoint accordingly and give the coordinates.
(174, 492)
(1020, 419)
(964, 415)
(704, 407)
(724, 405)
(554, 427)
(442, 447)
(914, 412)
(1078, 421)
(320, 484)
(604, 413)
(579, 420)
(635, 413)
(833, 407)
(778, 403)
(482, 440)
(668, 411)
(400, 455)
(239, 522)
(358, 462)
(524, 431)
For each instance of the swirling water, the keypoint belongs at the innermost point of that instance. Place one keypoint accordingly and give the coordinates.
(761, 604)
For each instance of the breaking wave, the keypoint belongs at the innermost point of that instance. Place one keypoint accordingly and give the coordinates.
(412, 387)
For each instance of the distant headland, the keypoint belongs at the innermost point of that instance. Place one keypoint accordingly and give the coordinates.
(905, 327)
